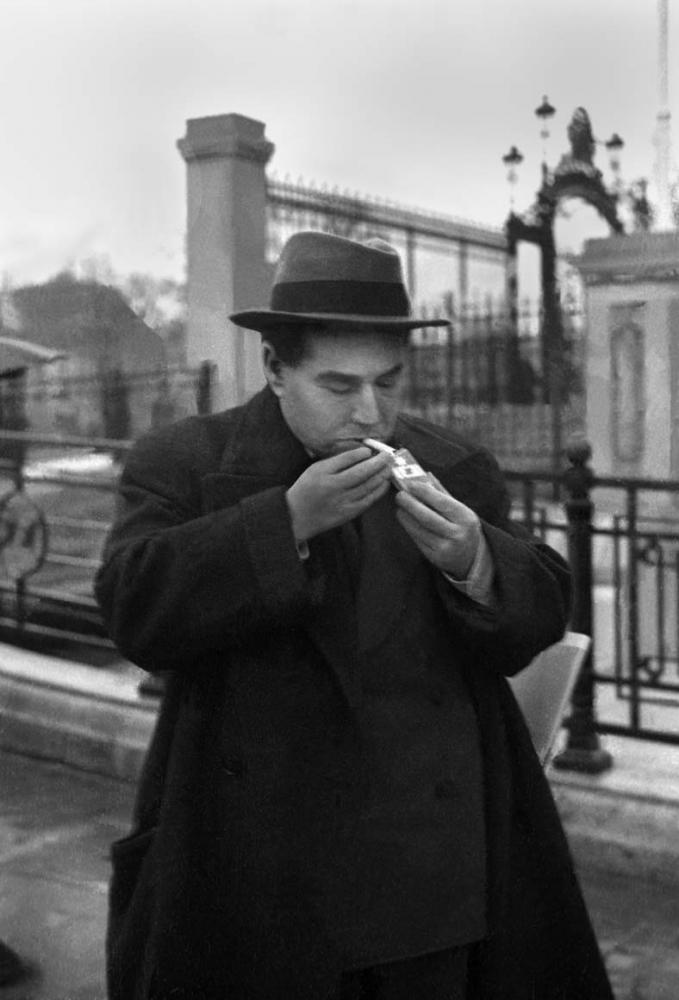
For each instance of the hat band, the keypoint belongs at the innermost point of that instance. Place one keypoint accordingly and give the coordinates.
(352, 298)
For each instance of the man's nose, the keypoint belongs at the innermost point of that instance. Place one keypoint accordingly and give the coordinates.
(366, 411)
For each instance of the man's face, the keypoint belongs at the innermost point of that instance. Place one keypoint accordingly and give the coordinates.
(348, 387)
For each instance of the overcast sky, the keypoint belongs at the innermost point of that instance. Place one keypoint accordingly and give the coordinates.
(414, 100)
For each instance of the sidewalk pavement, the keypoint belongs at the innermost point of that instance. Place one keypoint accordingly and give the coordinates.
(56, 827)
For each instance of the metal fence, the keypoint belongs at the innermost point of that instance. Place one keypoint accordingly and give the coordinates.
(57, 499)
(621, 536)
(57, 493)
(487, 379)
(108, 404)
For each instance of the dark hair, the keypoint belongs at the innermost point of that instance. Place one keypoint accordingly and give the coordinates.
(291, 343)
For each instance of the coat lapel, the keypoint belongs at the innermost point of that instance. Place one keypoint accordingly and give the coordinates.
(333, 626)
(262, 452)
(389, 564)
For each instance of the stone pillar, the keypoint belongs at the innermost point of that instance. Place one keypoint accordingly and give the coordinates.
(632, 418)
(632, 356)
(225, 246)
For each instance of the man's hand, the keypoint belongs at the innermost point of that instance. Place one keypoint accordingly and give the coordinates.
(335, 490)
(446, 532)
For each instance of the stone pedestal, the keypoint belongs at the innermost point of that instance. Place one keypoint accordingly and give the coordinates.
(632, 358)
(226, 157)
(632, 418)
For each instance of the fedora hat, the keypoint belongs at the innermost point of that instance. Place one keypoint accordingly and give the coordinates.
(331, 280)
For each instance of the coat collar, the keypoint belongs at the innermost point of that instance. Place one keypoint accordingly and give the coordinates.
(263, 445)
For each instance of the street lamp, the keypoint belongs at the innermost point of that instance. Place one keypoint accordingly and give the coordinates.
(512, 161)
(614, 146)
(545, 112)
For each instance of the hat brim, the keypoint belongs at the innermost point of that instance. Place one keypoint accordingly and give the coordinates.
(264, 320)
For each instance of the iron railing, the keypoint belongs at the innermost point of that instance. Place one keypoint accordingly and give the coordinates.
(621, 536)
(107, 404)
(485, 378)
(57, 497)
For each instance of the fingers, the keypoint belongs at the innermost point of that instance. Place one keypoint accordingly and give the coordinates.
(423, 515)
(364, 489)
(362, 471)
(361, 504)
(438, 499)
(435, 509)
(346, 459)
(424, 539)
(351, 468)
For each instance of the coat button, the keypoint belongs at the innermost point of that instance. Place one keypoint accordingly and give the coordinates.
(445, 789)
(233, 766)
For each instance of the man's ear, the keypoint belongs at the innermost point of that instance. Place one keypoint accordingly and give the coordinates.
(273, 368)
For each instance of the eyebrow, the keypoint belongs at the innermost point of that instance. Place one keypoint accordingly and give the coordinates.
(333, 376)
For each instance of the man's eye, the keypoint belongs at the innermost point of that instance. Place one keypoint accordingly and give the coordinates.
(386, 383)
(339, 390)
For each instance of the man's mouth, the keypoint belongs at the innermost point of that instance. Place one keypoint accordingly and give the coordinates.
(346, 444)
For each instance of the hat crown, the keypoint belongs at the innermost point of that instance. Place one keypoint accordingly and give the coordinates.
(314, 256)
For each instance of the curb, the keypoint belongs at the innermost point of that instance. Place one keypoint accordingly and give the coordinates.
(86, 717)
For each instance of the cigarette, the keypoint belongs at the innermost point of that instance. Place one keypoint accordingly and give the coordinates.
(379, 446)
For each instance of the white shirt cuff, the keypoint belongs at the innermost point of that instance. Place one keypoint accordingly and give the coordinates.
(302, 550)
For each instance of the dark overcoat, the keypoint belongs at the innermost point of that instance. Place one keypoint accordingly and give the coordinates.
(240, 840)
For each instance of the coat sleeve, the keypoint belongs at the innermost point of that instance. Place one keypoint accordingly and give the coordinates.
(531, 585)
(177, 584)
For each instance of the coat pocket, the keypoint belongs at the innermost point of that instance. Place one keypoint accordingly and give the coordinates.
(127, 858)
(129, 959)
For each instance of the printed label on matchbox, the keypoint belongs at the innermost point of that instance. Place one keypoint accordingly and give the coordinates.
(404, 468)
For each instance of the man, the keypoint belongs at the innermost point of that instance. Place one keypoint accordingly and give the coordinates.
(341, 801)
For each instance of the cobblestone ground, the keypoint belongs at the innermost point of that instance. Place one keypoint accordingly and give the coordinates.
(55, 830)
(637, 924)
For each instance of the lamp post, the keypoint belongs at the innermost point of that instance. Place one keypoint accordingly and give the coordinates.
(544, 112)
(614, 145)
(512, 160)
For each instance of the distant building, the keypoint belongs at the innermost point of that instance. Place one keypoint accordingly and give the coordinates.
(90, 323)
(103, 345)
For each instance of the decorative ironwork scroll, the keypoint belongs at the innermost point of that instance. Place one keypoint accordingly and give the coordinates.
(23, 536)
